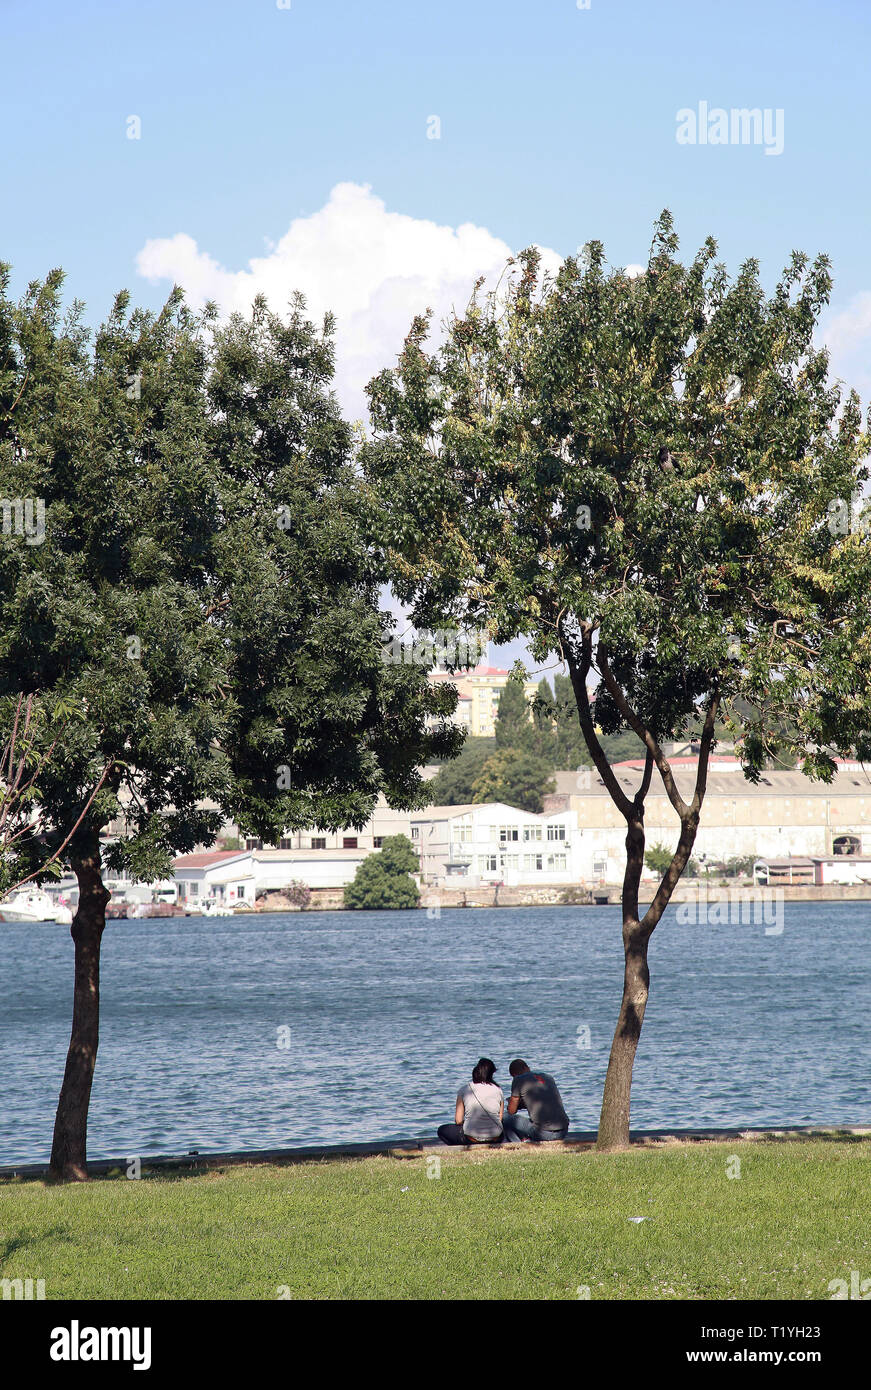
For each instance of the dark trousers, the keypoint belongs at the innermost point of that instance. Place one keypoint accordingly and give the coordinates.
(519, 1127)
(453, 1134)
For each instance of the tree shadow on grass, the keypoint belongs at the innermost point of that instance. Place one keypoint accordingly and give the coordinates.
(835, 1136)
(27, 1240)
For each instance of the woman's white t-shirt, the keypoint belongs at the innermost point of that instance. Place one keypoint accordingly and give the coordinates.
(481, 1103)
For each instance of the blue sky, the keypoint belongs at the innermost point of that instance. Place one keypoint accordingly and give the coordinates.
(557, 124)
(297, 138)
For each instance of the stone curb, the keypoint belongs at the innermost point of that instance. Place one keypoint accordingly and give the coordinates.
(402, 1147)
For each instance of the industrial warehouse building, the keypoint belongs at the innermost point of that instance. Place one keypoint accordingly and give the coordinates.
(784, 815)
(804, 831)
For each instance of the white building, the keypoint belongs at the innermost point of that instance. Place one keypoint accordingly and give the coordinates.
(493, 843)
(784, 814)
(234, 877)
(384, 821)
(479, 690)
(845, 869)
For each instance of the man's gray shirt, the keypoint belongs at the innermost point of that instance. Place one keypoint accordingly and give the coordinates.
(539, 1094)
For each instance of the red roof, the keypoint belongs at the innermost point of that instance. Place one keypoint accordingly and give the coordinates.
(207, 858)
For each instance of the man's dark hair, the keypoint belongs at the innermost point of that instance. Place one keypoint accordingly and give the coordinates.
(484, 1071)
(518, 1066)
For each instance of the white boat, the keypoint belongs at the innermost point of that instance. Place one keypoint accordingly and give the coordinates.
(32, 905)
(212, 908)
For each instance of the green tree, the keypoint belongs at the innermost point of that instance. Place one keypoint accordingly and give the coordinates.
(454, 783)
(560, 738)
(571, 748)
(515, 777)
(383, 880)
(35, 730)
(514, 728)
(645, 478)
(204, 597)
(658, 858)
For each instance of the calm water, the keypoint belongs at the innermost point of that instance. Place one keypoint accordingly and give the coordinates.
(388, 1011)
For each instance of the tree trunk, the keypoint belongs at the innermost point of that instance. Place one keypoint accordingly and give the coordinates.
(614, 1119)
(69, 1146)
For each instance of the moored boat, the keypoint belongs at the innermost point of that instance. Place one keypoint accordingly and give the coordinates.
(33, 905)
(212, 908)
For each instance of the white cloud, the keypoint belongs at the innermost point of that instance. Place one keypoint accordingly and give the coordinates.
(847, 335)
(373, 268)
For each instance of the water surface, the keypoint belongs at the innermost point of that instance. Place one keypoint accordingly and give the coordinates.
(387, 1011)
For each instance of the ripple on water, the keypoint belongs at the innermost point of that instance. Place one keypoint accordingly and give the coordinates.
(386, 1017)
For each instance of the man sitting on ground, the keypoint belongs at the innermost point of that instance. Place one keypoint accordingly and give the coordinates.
(537, 1093)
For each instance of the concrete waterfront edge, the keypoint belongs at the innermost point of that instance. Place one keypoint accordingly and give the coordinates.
(195, 1160)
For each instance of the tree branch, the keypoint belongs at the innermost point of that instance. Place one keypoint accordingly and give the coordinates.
(644, 734)
(578, 675)
(37, 873)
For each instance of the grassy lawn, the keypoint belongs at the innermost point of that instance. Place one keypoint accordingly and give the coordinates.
(522, 1223)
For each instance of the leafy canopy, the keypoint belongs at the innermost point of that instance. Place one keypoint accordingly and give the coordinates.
(638, 476)
(203, 606)
(383, 880)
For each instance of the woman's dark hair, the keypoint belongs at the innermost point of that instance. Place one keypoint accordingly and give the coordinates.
(484, 1070)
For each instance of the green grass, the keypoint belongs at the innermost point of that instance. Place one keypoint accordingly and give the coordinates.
(524, 1223)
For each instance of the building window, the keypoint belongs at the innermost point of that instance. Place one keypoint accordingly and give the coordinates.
(510, 861)
(240, 892)
(286, 842)
(508, 832)
(556, 862)
(253, 844)
(556, 832)
(463, 833)
(319, 842)
(532, 832)
(487, 863)
(532, 861)
(193, 890)
(846, 844)
(377, 841)
(415, 832)
(349, 842)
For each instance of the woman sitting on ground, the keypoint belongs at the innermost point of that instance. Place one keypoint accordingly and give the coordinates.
(478, 1116)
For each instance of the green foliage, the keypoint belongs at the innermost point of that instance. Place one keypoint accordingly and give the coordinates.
(658, 858)
(571, 750)
(515, 777)
(739, 866)
(205, 599)
(523, 489)
(513, 726)
(621, 746)
(454, 784)
(384, 880)
(550, 741)
(31, 723)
